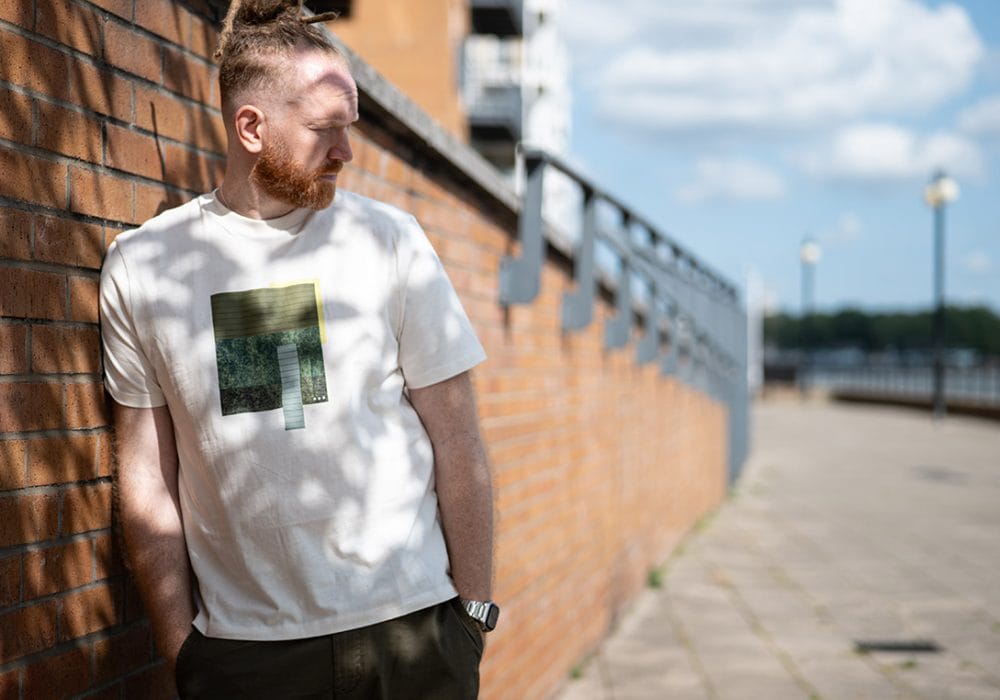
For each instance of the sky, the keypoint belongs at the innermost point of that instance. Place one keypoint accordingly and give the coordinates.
(742, 127)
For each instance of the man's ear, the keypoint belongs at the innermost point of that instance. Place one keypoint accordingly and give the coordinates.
(249, 128)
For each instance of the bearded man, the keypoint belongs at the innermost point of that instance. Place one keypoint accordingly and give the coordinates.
(304, 494)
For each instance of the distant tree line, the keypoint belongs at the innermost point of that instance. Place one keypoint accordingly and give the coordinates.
(976, 328)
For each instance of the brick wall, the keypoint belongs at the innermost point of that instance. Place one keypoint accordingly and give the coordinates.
(107, 116)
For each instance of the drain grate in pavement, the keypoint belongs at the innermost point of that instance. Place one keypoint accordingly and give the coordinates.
(924, 646)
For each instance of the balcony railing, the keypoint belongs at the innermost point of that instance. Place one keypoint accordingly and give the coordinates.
(694, 324)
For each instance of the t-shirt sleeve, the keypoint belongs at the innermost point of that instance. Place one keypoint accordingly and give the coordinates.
(436, 338)
(128, 374)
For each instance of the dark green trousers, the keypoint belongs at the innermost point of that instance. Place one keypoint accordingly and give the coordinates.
(431, 653)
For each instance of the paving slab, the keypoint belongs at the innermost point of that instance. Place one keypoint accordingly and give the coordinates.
(850, 523)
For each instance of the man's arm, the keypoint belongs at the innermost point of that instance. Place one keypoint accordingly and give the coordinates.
(151, 522)
(462, 476)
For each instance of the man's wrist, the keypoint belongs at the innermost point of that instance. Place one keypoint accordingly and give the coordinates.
(484, 612)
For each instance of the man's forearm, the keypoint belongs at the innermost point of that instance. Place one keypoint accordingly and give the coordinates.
(465, 499)
(146, 473)
(462, 480)
(157, 554)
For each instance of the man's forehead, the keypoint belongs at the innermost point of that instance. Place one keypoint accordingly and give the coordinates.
(315, 70)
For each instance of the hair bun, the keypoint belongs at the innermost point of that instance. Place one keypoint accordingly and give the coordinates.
(252, 12)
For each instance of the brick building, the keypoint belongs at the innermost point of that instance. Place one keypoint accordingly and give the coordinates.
(109, 114)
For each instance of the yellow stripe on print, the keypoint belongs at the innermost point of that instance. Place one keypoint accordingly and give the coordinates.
(319, 302)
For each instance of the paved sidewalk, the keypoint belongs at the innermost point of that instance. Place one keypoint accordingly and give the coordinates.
(850, 523)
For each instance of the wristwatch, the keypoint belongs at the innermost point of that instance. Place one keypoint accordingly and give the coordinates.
(483, 612)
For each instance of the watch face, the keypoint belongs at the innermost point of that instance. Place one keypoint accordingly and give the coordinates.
(491, 617)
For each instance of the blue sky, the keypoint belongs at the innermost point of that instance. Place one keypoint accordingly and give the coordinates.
(741, 127)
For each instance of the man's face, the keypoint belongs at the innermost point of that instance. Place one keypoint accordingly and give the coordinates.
(307, 141)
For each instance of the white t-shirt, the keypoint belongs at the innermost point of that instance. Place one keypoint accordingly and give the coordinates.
(282, 349)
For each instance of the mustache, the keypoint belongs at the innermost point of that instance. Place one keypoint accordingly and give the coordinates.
(333, 169)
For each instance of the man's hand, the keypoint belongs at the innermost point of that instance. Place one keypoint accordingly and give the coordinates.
(462, 478)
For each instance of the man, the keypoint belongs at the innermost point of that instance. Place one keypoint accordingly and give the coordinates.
(304, 494)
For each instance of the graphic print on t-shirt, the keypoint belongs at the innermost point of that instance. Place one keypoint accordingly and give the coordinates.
(269, 350)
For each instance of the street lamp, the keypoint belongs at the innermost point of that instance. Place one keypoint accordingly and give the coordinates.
(809, 254)
(941, 191)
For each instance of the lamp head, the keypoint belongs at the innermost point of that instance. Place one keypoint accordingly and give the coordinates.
(941, 190)
(810, 252)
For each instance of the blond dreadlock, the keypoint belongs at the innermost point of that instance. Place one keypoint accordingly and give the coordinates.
(255, 32)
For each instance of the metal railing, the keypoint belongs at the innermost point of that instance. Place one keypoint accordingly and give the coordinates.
(693, 322)
(969, 385)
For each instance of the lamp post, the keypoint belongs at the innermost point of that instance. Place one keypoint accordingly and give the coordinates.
(941, 191)
(809, 255)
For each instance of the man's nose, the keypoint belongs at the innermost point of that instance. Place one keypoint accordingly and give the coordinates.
(341, 149)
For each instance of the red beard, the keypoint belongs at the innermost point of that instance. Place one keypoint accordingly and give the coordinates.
(280, 177)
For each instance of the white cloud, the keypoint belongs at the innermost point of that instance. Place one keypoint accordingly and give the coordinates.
(889, 153)
(982, 118)
(978, 263)
(678, 65)
(731, 179)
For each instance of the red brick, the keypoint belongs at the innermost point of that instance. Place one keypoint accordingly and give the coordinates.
(163, 17)
(32, 179)
(162, 114)
(134, 152)
(151, 201)
(132, 52)
(22, 13)
(13, 464)
(32, 65)
(28, 518)
(208, 131)
(33, 294)
(71, 24)
(122, 8)
(100, 91)
(105, 460)
(203, 38)
(86, 508)
(89, 610)
(59, 568)
(34, 406)
(68, 242)
(99, 194)
(121, 654)
(15, 117)
(13, 349)
(63, 459)
(190, 170)
(27, 631)
(68, 133)
(10, 581)
(187, 75)
(85, 406)
(15, 233)
(10, 683)
(111, 692)
(83, 299)
(65, 350)
(60, 676)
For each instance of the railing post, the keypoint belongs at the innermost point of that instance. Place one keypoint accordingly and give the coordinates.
(520, 278)
(649, 344)
(618, 329)
(578, 306)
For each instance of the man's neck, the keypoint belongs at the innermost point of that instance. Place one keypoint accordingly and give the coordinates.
(246, 200)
